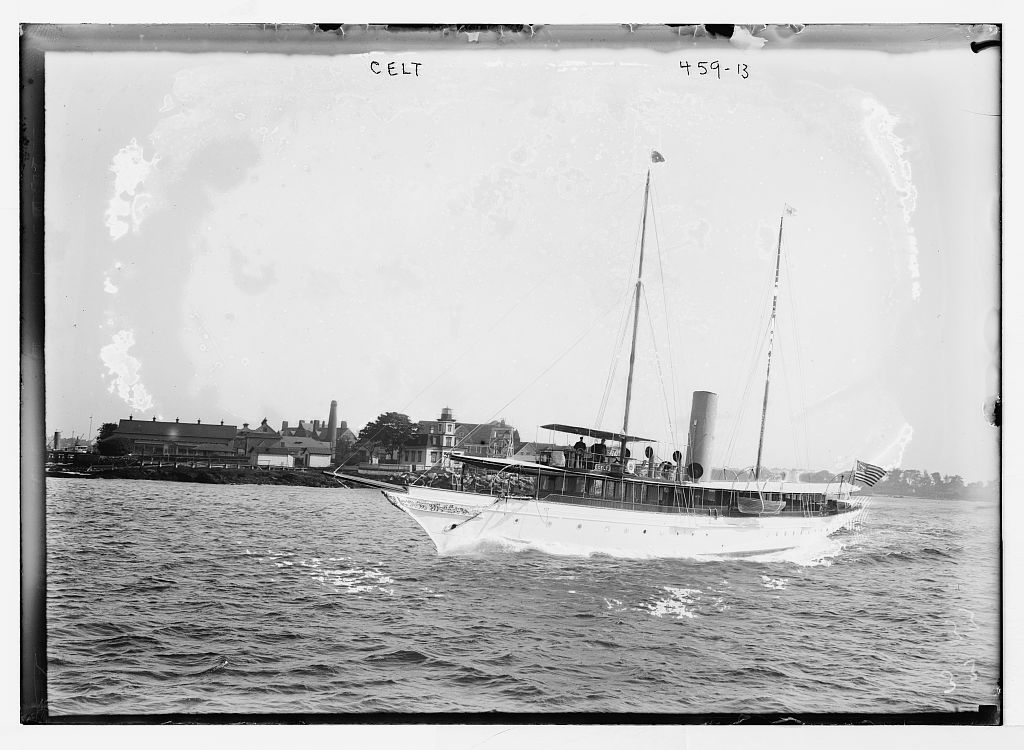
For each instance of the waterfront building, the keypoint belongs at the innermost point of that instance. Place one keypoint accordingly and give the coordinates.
(176, 439)
(259, 446)
(306, 451)
(434, 440)
(255, 442)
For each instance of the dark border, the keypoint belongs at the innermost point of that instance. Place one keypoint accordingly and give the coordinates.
(31, 142)
(986, 715)
(335, 38)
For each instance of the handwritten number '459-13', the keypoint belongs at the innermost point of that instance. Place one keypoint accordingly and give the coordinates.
(705, 67)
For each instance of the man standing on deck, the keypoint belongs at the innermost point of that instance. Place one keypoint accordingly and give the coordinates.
(579, 451)
(600, 451)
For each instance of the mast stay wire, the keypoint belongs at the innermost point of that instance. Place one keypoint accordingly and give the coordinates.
(613, 365)
(661, 377)
(623, 327)
(594, 323)
(668, 326)
(802, 385)
(759, 337)
(465, 352)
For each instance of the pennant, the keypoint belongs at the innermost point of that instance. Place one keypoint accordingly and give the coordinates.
(656, 157)
(868, 474)
(790, 211)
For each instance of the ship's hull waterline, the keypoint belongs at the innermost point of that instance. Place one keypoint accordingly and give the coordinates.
(458, 520)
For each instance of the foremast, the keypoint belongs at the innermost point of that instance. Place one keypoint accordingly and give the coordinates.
(771, 340)
(636, 318)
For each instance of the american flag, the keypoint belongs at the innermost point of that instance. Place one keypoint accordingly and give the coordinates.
(868, 474)
(656, 157)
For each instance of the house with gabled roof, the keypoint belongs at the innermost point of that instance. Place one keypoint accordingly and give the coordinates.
(434, 440)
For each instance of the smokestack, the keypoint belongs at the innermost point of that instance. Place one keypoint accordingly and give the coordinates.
(332, 425)
(701, 435)
(316, 425)
(284, 427)
(56, 441)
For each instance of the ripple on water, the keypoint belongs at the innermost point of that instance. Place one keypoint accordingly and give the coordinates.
(197, 598)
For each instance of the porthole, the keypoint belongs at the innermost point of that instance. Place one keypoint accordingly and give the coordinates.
(645, 531)
(579, 526)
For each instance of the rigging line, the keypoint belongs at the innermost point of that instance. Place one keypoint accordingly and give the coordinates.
(758, 338)
(785, 371)
(799, 360)
(755, 338)
(624, 321)
(557, 360)
(668, 325)
(741, 411)
(458, 359)
(467, 350)
(787, 391)
(595, 322)
(614, 364)
(661, 378)
(616, 345)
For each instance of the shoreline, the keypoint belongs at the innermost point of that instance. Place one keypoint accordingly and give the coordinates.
(211, 476)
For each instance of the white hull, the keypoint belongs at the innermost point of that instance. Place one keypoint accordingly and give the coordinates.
(459, 520)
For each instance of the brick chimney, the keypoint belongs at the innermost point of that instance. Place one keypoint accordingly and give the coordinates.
(332, 425)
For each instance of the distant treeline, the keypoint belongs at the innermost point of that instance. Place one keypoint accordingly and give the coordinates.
(914, 483)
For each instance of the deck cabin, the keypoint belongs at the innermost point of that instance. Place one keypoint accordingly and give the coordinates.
(627, 487)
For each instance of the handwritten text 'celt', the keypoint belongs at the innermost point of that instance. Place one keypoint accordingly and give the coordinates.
(395, 68)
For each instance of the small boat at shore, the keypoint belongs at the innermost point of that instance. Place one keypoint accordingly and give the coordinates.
(64, 471)
(606, 500)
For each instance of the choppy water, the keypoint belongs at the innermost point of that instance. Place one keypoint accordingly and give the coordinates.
(167, 597)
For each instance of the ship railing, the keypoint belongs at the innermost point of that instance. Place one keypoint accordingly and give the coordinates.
(594, 502)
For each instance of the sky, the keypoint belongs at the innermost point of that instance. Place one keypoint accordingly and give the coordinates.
(244, 236)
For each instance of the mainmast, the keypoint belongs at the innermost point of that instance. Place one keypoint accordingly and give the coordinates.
(655, 157)
(771, 339)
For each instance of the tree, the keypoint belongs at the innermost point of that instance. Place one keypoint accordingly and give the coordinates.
(107, 429)
(387, 433)
(109, 445)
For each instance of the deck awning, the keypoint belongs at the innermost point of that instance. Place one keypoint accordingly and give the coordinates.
(510, 465)
(600, 434)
